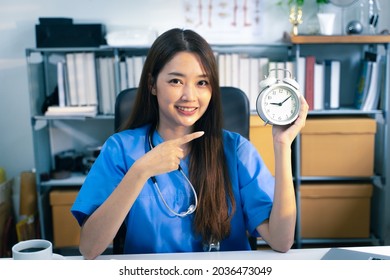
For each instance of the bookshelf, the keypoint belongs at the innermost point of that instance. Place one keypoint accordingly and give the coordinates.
(350, 51)
(53, 134)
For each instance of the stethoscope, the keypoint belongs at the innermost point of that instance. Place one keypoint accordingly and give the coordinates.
(207, 247)
(191, 209)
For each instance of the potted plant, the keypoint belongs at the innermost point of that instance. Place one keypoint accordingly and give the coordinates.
(325, 19)
(321, 4)
(301, 2)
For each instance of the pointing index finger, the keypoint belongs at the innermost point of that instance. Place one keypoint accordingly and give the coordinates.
(189, 137)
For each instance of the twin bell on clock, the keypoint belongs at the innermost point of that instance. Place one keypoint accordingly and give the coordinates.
(278, 101)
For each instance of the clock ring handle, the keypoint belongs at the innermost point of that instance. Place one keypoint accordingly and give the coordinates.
(281, 69)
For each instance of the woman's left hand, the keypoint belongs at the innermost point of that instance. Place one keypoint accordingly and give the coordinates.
(286, 134)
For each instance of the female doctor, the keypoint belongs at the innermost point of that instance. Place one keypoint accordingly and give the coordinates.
(179, 181)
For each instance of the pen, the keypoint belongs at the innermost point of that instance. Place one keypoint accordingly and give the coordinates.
(371, 19)
(375, 21)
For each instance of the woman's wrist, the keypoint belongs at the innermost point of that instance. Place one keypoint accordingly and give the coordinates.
(282, 148)
(139, 171)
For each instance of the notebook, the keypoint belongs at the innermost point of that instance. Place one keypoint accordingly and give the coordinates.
(345, 254)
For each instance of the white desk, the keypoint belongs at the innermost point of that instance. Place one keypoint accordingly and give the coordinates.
(228, 265)
(293, 254)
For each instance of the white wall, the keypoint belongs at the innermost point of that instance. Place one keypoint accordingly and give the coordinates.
(17, 23)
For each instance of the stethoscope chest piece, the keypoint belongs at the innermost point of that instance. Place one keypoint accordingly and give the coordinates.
(211, 247)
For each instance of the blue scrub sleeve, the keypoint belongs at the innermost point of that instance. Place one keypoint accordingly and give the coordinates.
(105, 174)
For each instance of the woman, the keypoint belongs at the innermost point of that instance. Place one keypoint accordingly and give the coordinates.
(174, 137)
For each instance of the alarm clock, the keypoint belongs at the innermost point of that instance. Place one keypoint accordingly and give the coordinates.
(278, 102)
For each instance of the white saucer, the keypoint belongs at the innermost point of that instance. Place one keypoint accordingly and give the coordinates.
(57, 257)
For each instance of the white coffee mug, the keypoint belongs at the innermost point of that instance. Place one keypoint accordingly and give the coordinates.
(33, 249)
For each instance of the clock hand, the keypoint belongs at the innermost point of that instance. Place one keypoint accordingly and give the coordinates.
(281, 103)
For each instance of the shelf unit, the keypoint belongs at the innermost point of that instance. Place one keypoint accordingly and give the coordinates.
(82, 131)
(350, 49)
(52, 135)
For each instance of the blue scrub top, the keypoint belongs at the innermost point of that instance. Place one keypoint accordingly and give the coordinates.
(151, 228)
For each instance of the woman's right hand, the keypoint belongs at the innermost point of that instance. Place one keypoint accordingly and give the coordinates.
(166, 156)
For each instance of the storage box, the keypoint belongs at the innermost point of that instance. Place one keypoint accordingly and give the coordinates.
(335, 210)
(66, 230)
(261, 138)
(338, 147)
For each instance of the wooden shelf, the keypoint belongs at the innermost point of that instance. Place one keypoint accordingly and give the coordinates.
(340, 39)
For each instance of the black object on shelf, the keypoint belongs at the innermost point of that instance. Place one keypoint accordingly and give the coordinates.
(54, 20)
(69, 160)
(62, 33)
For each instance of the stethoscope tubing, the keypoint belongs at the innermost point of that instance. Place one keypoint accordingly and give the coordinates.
(191, 209)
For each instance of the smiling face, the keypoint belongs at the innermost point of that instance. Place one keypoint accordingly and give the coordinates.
(183, 92)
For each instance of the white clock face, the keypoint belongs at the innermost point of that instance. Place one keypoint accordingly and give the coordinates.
(278, 104)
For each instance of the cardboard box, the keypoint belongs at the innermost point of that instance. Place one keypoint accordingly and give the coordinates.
(66, 230)
(338, 147)
(261, 138)
(335, 210)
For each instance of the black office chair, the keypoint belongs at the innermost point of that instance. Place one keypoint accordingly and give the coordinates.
(235, 110)
(123, 105)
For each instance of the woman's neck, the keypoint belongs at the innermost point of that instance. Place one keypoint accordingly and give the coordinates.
(168, 133)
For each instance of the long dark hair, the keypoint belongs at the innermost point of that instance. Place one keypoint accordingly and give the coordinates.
(208, 170)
